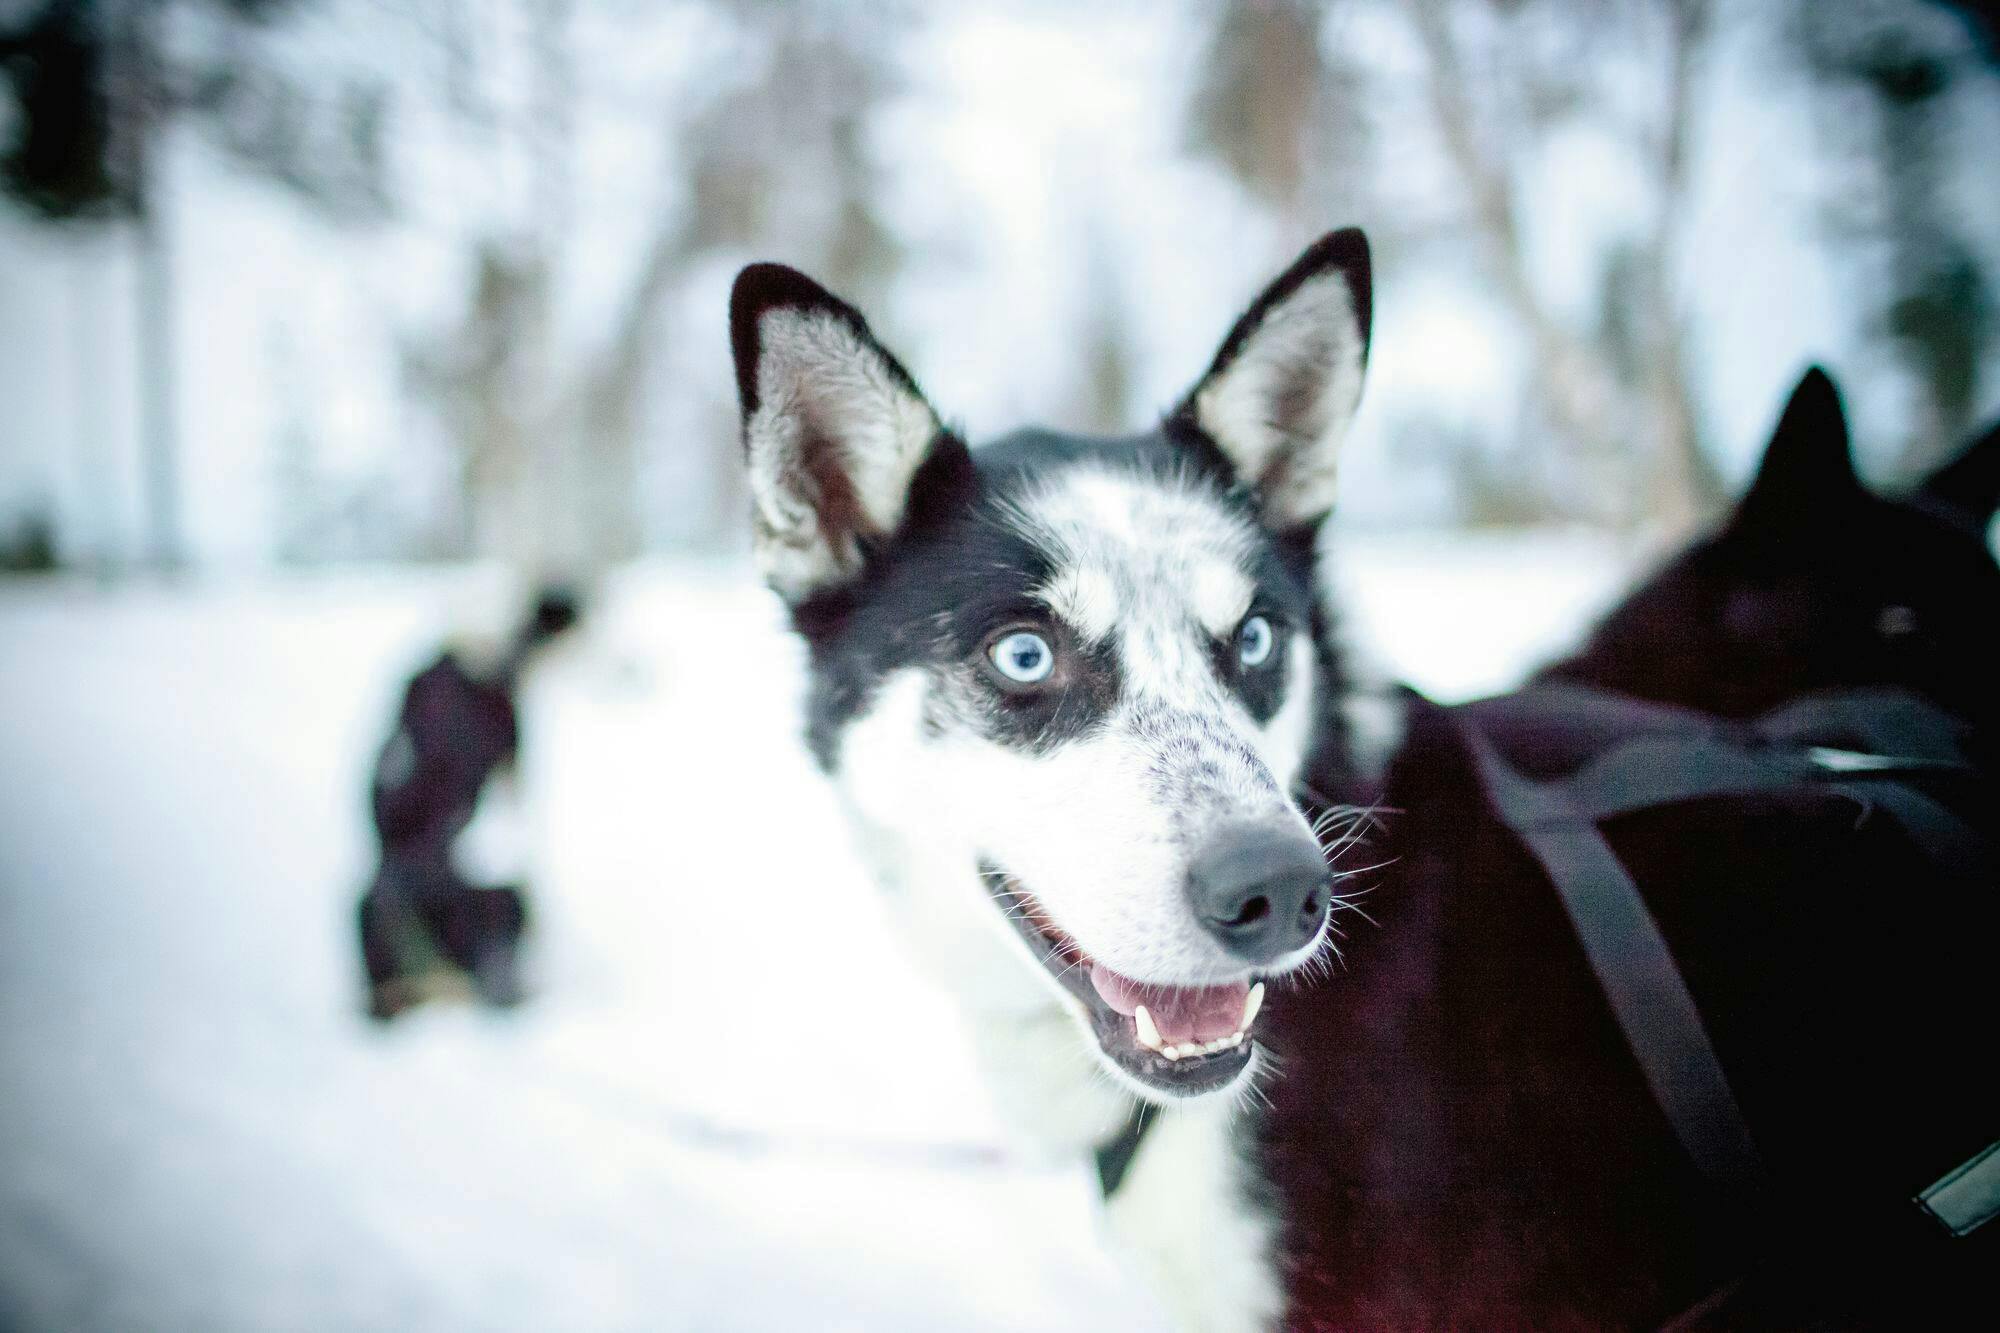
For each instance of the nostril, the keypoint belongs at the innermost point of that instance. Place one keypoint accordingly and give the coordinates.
(1259, 891)
(1252, 911)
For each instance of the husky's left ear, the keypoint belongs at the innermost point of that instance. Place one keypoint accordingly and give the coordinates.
(1281, 392)
(834, 430)
(1969, 486)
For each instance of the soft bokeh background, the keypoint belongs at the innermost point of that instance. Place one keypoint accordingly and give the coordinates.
(328, 325)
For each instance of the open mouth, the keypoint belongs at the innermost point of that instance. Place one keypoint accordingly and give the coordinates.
(1179, 1040)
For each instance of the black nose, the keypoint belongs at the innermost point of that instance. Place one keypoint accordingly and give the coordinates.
(1260, 891)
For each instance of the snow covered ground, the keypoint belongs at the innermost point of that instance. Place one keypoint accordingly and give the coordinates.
(198, 1131)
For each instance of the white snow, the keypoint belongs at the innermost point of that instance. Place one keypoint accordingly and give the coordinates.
(732, 1105)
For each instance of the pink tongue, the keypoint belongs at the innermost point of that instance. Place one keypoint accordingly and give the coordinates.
(1182, 1013)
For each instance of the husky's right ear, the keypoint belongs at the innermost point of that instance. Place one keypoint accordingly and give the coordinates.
(834, 429)
(1280, 394)
(1807, 472)
(1968, 487)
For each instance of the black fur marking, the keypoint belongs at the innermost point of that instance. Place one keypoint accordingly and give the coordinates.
(1089, 691)
(930, 595)
(1284, 597)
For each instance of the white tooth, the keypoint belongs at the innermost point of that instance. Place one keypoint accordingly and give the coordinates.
(1149, 1033)
(1252, 1004)
(1234, 1039)
(1219, 1044)
(1171, 1052)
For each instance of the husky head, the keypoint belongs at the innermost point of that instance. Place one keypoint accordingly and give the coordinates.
(1816, 583)
(1065, 685)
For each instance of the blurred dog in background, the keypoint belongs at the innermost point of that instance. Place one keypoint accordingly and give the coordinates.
(448, 904)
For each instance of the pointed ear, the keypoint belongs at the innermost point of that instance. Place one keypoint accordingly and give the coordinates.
(1968, 487)
(1808, 466)
(833, 429)
(1280, 395)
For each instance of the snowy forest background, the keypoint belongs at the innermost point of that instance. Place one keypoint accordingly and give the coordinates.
(327, 324)
(302, 281)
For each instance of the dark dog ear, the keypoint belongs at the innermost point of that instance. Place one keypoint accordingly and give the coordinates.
(1283, 389)
(833, 428)
(1808, 467)
(1968, 487)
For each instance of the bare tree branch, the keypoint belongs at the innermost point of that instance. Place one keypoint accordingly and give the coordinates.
(1577, 390)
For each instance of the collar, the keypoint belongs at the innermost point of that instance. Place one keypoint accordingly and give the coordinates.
(1114, 1156)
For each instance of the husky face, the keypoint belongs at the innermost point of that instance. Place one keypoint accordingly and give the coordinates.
(1815, 583)
(1065, 685)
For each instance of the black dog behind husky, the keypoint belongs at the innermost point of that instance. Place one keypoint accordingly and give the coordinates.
(1071, 690)
(1509, 1163)
(1816, 583)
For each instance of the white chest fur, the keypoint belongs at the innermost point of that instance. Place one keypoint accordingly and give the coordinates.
(1185, 1216)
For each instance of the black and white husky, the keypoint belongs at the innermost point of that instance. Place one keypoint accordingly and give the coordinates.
(1066, 688)
(1080, 698)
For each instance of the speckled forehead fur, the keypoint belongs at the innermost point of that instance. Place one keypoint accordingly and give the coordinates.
(1157, 570)
(1127, 546)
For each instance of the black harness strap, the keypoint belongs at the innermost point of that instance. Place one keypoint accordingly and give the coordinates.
(1651, 771)
(1647, 995)
(1881, 720)
(1558, 820)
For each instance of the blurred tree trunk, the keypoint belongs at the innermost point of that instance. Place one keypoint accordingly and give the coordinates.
(1257, 96)
(1686, 485)
(138, 97)
(532, 480)
(550, 437)
(1580, 389)
(612, 396)
(1105, 389)
(96, 464)
(481, 377)
(98, 89)
(158, 398)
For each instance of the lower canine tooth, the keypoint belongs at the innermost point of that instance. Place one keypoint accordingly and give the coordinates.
(1251, 1004)
(1149, 1032)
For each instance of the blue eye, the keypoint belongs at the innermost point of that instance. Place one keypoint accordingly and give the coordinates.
(1255, 641)
(1023, 657)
